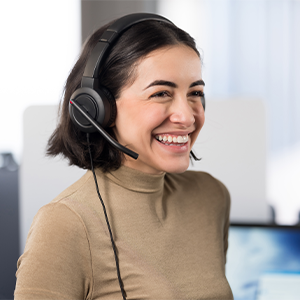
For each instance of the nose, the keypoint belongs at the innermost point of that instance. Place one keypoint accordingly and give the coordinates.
(182, 113)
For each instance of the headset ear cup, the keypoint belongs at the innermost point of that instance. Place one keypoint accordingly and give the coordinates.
(92, 103)
(99, 104)
(111, 112)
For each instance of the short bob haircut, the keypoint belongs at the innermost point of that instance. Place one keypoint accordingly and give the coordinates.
(117, 72)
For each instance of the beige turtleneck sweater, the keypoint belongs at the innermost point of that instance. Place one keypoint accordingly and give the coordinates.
(170, 231)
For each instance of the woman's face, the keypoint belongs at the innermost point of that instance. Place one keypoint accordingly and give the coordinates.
(160, 115)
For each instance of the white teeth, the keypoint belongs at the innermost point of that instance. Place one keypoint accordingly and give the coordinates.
(180, 139)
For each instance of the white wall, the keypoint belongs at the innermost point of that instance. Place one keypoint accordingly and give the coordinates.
(232, 147)
(40, 41)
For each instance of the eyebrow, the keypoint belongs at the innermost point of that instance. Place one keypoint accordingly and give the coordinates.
(198, 82)
(172, 84)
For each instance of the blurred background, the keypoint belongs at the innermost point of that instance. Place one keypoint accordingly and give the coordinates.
(251, 67)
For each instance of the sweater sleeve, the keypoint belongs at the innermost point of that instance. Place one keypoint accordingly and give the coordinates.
(56, 263)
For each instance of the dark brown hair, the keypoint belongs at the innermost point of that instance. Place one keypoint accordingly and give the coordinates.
(117, 72)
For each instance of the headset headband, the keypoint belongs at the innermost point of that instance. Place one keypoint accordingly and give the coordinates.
(107, 39)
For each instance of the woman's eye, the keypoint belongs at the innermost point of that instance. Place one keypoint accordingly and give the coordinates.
(197, 94)
(162, 94)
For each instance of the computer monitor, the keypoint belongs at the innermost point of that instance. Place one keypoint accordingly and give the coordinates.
(263, 262)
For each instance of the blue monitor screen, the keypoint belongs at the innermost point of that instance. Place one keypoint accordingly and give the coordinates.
(263, 262)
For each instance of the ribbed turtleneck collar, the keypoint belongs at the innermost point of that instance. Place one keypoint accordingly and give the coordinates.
(135, 180)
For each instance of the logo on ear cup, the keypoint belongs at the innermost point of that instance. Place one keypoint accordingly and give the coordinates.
(100, 105)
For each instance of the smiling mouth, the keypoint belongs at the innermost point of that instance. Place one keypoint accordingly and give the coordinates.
(172, 140)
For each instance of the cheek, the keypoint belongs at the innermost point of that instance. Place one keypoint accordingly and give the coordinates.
(138, 117)
(126, 113)
(129, 124)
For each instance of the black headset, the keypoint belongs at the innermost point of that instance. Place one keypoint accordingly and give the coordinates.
(95, 106)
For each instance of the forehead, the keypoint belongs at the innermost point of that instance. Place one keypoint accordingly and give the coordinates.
(178, 62)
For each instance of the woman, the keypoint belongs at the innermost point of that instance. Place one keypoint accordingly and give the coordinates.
(165, 235)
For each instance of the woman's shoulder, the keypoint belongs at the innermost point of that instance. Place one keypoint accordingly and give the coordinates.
(57, 252)
(57, 219)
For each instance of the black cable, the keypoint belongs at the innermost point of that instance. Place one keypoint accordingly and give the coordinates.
(107, 222)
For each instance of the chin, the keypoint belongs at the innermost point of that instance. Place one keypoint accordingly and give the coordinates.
(177, 167)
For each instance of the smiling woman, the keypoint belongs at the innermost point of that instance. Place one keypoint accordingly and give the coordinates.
(164, 101)
(168, 233)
